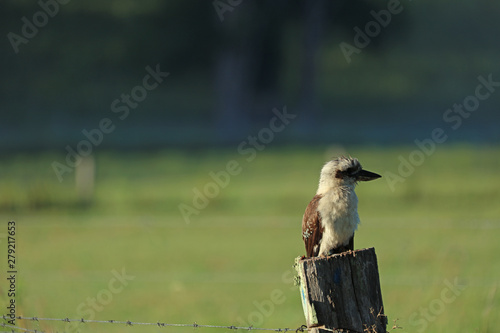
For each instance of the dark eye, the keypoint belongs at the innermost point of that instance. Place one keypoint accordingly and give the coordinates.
(350, 171)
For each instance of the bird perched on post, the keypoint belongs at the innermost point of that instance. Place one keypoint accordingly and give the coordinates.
(332, 217)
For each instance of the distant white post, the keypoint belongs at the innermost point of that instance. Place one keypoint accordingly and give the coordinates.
(85, 179)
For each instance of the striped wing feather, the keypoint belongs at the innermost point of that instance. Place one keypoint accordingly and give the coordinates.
(312, 230)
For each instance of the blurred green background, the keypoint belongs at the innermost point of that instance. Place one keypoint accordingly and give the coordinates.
(89, 211)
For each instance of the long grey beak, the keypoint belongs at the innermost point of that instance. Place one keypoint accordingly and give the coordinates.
(365, 175)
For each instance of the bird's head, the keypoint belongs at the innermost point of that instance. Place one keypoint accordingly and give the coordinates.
(343, 171)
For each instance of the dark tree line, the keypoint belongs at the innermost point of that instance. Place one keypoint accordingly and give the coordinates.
(231, 62)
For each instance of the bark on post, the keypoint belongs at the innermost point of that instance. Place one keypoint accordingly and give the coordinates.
(342, 292)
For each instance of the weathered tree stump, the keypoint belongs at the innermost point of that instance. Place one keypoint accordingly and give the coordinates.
(342, 292)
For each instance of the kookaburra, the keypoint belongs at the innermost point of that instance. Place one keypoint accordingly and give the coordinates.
(332, 217)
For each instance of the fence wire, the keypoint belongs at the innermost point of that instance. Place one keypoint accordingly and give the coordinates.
(131, 323)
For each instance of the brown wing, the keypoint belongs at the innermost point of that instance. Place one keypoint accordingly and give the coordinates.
(312, 230)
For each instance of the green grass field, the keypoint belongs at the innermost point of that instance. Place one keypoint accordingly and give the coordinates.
(436, 236)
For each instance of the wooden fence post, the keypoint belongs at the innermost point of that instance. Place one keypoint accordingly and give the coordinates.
(342, 292)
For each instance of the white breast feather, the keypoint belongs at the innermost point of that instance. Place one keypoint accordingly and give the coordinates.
(339, 217)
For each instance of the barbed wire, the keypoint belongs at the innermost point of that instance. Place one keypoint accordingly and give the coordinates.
(302, 328)
(13, 327)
